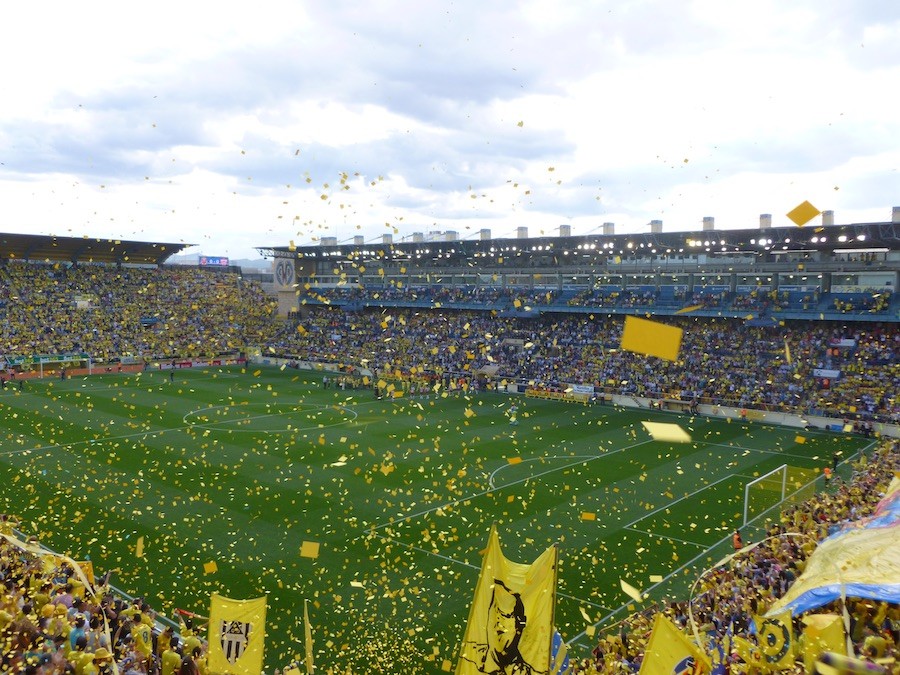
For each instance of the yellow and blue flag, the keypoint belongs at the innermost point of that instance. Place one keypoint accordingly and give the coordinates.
(670, 652)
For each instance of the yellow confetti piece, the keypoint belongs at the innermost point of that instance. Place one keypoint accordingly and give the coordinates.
(139, 548)
(588, 515)
(803, 213)
(656, 578)
(630, 591)
(211, 567)
(687, 310)
(651, 338)
(663, 431)
(469, 412)
(309, 549)
(514, 460)
(799, 440)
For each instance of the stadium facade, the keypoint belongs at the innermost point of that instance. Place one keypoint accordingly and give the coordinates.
(826, 271)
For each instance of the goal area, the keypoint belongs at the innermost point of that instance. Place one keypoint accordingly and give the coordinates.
(772, 490)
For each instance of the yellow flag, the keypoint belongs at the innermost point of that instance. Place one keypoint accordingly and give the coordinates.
(746, 650)
(822, 633)
(237, 635)
(669, 651)
(776, 641)
(310, 663)
(510, 626)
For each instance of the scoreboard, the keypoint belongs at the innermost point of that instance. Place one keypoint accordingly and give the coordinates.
(213, 261)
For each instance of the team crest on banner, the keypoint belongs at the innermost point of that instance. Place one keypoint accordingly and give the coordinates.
(237, 633)
(235, 636)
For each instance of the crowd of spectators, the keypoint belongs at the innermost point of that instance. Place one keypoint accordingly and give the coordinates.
(871, 302)
(55, 621)
(596, 297)
(111, 312)
(708, 298)
(155, 313)
(435, 295)
(638, 298)
(761, 300)
(729, 598)
(723, 362)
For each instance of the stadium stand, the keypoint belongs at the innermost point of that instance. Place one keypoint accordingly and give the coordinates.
(723, 362)
(111, 312)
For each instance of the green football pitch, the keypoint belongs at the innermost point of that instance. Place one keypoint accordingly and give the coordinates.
(241, 468)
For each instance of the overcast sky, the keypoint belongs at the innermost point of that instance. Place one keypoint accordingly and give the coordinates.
(236, 125)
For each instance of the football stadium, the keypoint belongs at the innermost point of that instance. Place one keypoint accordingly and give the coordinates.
(668, 452)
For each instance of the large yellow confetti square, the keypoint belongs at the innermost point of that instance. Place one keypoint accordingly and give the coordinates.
(799, 440)
(651, 338)
(587, 515)
(663, 431)
(211, 567)
(803, 213)
(309, 549)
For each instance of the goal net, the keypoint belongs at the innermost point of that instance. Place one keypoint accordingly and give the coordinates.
(772, 490)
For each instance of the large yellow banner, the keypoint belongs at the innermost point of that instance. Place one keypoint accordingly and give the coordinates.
(510, 627)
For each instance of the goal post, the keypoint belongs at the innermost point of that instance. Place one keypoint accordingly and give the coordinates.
(770, 489)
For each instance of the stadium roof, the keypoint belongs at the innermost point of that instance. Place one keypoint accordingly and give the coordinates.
(759, 241)
(85, 250)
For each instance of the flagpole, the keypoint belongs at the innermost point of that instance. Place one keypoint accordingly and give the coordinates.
(553, 611)
(310, 665)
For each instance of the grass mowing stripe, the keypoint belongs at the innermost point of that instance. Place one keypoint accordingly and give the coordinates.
(484, 492)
